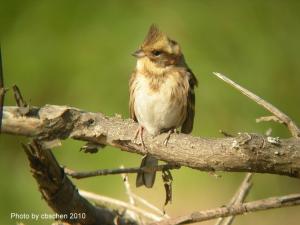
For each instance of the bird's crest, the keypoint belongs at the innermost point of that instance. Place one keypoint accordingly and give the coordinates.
(154, 36)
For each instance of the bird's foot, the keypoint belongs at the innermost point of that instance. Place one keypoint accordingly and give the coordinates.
(168, 136)
(140, 132)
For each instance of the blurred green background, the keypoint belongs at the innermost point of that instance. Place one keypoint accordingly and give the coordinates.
(78, 53)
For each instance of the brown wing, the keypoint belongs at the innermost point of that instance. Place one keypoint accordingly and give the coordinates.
(131, 96)
(187, 125)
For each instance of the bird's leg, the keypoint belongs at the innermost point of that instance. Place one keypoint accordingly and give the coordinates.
(142, 138)
(140, 131)
(136, 134)
(169, 135)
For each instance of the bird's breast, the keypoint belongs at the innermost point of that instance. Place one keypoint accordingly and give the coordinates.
(160, 104)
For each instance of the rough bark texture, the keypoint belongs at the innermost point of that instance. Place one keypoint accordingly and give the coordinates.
(246, 152)
(62, 196)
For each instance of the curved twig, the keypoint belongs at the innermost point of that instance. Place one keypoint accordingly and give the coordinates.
(291, 125)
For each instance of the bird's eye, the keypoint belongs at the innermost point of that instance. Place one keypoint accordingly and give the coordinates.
(156, 53)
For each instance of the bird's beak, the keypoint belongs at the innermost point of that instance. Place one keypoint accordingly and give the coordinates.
(138, 53)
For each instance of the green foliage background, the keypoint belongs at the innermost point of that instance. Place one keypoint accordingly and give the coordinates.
(78, 53)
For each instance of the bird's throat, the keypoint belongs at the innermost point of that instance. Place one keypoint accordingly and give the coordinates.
(148, 68)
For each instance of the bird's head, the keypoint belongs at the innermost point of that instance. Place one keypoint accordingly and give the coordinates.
(158, 49)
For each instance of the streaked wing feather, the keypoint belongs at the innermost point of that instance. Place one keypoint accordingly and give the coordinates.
(187, 125)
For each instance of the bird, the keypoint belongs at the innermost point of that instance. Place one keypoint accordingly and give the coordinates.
(161, 93)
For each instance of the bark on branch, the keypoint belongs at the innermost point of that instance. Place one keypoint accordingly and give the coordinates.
(259, 205)
(61, 194)
(244, 153)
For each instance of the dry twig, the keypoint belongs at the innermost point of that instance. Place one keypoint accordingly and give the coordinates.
(101, 200)
(18, 97)
(225, 133)
(293, 128)
(238, 198)
(131, 200)
(127, 187)
(264, 204)
(150, 206)
(104, 172)
(269, 118)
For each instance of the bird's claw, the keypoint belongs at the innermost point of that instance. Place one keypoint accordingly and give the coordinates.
(139, 132)
(168, 136)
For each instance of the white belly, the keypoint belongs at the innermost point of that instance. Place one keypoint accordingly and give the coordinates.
(154, 109)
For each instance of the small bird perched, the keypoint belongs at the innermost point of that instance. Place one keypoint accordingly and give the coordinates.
(161, 93)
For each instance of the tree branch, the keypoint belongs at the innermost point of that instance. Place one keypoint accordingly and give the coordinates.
(131, 199)
(286, 120)
(268, 119)
(244, 153)
(104, 200)
(264, 204)
(150, 206)
(238, 198)
(104, 172)
(61, 195)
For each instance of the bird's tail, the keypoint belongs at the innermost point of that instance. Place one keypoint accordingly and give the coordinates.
(147, 178)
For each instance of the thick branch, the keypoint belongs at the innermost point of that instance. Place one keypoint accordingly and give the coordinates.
(61, 195)
(246, 152)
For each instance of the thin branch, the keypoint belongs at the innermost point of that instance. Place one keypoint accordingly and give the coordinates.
(18, 97)
(127, 187)
(131, 200)
(104, 172)
(149, 205)
(103, 200)
(238, 198)
(268, 119)
(244, 153)
(291, 125)
(243, 190)
(225, 133)
(259, 205)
